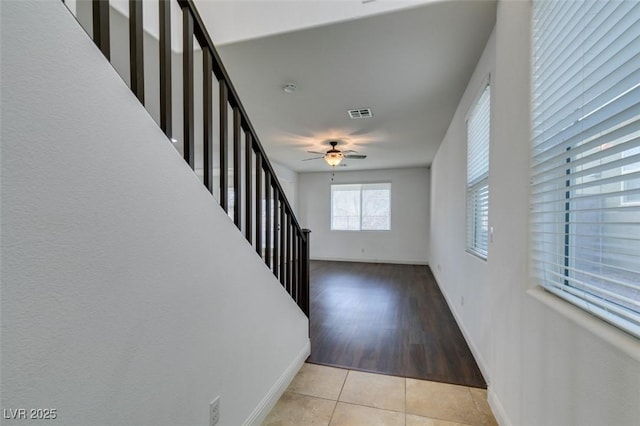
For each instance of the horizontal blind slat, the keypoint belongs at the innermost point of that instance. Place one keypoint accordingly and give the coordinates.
(576, 55)
(606, 118)
(584, 286)
(585, 155)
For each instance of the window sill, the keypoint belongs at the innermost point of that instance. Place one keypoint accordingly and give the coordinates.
(477, 255)
(607, 332)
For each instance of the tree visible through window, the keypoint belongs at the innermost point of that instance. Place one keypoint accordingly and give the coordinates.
(361, 207)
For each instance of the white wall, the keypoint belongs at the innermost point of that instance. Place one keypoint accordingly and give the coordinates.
(546, 362)
(289, 181)
(406, 242)
(128, 296)
(455, 269)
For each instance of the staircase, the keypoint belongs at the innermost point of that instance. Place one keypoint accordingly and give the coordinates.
(209, 126)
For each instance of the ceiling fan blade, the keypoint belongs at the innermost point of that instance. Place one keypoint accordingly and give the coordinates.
(355, 157)
(313, 158)
(316, 152)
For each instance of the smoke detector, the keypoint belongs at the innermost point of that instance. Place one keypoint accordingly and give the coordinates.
(289, 88)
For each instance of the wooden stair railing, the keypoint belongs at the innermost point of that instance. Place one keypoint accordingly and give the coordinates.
(260, 207)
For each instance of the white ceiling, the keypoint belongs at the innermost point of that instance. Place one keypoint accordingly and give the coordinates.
(410, 66)
(230, 21)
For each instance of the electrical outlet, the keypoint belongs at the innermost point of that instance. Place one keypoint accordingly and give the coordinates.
(214, 411)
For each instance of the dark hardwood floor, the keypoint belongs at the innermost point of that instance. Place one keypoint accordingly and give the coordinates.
(389, 319)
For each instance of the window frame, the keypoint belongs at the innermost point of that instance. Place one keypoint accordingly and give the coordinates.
(477, 224)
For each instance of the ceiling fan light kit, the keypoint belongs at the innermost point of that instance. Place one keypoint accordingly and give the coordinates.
(334, 156)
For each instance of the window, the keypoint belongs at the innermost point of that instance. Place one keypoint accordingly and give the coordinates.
(361, 207)
(478, 136)
(586, 156)
(631, 183)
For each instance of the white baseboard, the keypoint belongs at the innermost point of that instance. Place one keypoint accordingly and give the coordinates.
(271, 398)
(494, 402)
(474, 350)
(396, 262)
(498, 410)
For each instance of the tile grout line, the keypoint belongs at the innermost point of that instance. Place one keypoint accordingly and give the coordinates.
(359, 404)
(338, 399)
(406, 397)
(370, 406)
(405, 401)
(310, 396)
(477, 409)
(473, 400)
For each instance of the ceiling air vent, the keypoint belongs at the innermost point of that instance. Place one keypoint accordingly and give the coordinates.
(360, 113)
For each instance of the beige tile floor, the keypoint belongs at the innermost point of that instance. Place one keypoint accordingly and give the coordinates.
(320, 395)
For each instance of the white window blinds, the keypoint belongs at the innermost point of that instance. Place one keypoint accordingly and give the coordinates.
(478, 137)
(586, 155)
(356, 207)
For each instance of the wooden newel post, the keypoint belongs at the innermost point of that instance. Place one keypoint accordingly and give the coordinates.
(304, 282)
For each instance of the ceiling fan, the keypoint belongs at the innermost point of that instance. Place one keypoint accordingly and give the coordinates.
(334, 156)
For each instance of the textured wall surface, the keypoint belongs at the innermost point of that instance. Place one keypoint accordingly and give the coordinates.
(546, 362)
(128, 296)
